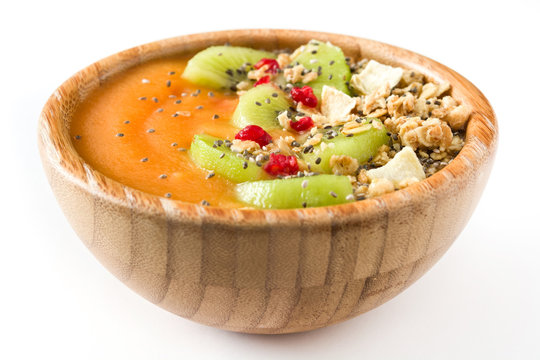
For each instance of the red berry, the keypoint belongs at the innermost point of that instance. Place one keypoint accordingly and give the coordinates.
(273, 65)
(281, 165)
(302, 124)
(254, 133)
(263, 80)
(304, 95)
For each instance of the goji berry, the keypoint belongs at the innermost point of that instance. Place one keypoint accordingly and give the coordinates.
(254, 133)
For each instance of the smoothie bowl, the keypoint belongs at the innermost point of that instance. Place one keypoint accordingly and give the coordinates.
(267, 181)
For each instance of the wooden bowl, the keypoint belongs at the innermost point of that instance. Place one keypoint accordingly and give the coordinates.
(266, 271)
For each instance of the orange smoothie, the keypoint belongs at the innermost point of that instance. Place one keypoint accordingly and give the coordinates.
(137, 127)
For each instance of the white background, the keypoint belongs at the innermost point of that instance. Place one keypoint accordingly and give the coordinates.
(481, 301)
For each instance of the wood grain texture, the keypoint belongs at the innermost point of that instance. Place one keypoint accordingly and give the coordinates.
(266, 271)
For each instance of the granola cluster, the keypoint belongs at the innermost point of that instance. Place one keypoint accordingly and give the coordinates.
(420, 116)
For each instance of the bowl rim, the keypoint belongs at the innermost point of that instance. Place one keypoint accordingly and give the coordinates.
(57, 147)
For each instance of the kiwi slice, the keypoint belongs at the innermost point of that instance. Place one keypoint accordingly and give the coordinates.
(222, 67)
(290, 193)
(212, 154)
(330, 64)
(261, 106)
(361, 146)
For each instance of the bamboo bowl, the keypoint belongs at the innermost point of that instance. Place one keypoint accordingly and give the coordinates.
(266, 271)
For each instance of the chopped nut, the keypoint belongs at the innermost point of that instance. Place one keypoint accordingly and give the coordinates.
(283, 144)
(434, 133)
(297, 52)
(380, 187)
(240, 145)
(343, 165)
(381, 158)
(294, 74)
(376, 99)
(458, 117)
(256, 74)
(310, 76)
(410, 76)
(243, 85)
(431, 90)
(284, 120)
(359, 128)
(362, 177)
(283, 60)
(407, 182)
(315, 140)
(400, 105)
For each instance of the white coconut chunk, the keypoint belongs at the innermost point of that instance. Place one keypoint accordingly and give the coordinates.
(404, 168)
(335, 104)
(374, 76)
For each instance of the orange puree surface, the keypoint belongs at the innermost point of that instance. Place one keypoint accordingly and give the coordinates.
(128, 131)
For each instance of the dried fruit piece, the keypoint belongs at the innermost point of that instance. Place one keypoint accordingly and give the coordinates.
(263, 80)
(254, 133)
(404, 167)
(302, 124)
(374, 76)
(304, 95)
(273, 65)
(281, 165)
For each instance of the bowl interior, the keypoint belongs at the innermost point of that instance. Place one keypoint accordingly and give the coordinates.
(56, 117)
